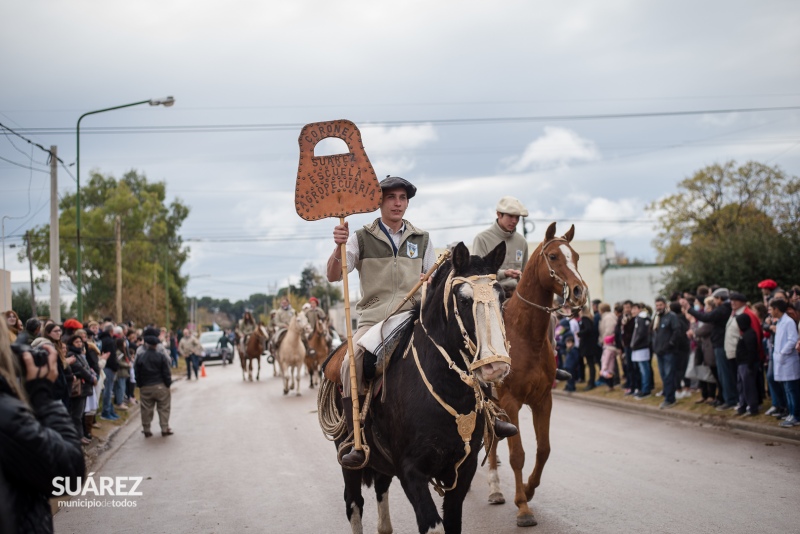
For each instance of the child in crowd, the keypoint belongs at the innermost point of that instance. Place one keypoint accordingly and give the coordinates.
(610, 352)
(572, 361)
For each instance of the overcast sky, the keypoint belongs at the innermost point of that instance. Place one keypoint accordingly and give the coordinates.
(259, 63)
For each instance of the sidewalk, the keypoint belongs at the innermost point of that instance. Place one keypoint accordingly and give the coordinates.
(684, 410)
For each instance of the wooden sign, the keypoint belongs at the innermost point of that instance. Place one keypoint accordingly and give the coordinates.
(338, 185)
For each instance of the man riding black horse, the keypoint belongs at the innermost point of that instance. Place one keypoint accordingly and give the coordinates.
(391, 256)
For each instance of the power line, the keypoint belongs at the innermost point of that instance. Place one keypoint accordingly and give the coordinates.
(33, 143)
(256, 127)
(23, 165)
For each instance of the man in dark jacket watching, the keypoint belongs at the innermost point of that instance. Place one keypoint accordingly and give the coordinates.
(718, 318)
(153, 377)
(666, 329)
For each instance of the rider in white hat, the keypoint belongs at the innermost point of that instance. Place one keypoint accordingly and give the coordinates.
(509, 210)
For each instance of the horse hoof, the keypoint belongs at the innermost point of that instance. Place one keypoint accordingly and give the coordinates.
(526, 520)
(285, 391)
(497, 498)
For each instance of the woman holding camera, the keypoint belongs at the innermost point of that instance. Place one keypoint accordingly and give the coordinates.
(38, 441)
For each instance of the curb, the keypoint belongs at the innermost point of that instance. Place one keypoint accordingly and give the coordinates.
(722, 422)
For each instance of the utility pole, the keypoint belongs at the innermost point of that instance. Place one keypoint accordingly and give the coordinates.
(30, 266)
(166, 291)
(55, 255)
(118, 239)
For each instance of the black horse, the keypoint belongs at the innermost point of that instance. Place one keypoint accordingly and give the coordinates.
(412, 435)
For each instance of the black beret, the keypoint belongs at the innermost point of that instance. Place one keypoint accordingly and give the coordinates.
(392, 182)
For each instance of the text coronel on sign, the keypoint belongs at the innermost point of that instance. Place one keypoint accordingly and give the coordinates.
(334, 185)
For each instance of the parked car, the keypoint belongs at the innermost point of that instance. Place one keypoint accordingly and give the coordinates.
(212, 351)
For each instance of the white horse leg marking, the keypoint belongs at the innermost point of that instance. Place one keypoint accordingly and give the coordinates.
(355, 520)
(438, 528)
(495, 495)
(384, 521)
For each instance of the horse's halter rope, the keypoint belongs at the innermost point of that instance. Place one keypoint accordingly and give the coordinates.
(483, 293)
(564, 285)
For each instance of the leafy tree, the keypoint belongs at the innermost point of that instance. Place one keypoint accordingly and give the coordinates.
(21, 303)
(152, 249)
(731, 225)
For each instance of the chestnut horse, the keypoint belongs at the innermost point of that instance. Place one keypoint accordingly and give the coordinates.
(552, 270)
(256, 343)
(320, 342)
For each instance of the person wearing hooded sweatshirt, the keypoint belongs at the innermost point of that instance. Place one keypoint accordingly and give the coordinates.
(153, 377)
(747, 361)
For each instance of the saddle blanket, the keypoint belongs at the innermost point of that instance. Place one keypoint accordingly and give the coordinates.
(382, 339)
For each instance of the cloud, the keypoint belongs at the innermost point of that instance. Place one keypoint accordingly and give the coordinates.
(558, 147)
(719, 119)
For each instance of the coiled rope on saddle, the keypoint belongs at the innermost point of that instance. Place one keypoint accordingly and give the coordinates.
(331, 421)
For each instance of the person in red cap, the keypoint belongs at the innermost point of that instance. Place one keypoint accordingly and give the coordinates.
(767, 287)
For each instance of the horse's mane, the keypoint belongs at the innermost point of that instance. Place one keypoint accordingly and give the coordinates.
(435, 320)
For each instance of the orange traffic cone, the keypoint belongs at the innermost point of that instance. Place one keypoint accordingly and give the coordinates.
(203, 370)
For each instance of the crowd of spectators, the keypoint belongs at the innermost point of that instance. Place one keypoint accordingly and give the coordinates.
(55, 381)
(712, 345)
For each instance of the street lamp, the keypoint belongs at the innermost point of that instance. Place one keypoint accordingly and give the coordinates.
(166, 102)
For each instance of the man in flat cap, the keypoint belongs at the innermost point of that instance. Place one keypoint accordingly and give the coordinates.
(509, 210)
(391, 255)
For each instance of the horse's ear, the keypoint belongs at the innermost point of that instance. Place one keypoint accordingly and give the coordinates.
(570, 233)
(496, 257)
(460, 257)
(551, 232)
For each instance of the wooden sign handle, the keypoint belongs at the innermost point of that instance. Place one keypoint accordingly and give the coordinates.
(350, 351)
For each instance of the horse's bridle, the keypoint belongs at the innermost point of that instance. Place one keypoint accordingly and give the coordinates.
(553, 274)
(482, 293)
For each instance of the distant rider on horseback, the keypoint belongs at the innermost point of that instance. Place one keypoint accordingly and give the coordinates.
(245, 328)
(391, 256)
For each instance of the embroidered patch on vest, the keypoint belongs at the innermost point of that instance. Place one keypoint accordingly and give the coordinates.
(519, 255)
(412, 250)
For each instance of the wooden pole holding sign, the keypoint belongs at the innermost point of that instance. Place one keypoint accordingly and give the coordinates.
(337, 186)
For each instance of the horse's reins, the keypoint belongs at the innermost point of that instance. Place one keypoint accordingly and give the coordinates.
(483, 293)
(564, 285)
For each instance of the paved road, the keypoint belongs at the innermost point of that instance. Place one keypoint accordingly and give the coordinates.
(247, 459)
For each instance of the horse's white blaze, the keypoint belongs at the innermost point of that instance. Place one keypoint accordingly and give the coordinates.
(494, 481)
(571, 264)
(384, 521)
(438, 528)
(355, 520)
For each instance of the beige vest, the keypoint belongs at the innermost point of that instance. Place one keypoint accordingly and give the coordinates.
(386, 278)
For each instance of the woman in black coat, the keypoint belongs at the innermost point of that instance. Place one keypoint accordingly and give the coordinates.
(38, 441)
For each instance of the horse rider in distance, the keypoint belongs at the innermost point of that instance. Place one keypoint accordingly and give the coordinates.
(509, 210)
(389, 249)
(313, 314)
(281, 320)
(244, 329)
